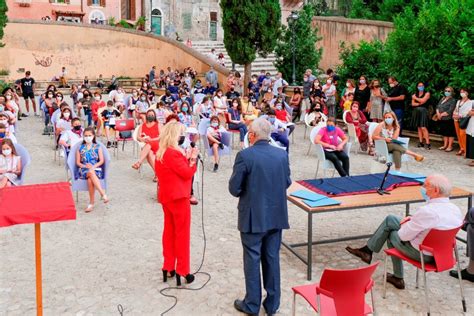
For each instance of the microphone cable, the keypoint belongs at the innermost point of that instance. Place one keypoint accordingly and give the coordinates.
(198, 271)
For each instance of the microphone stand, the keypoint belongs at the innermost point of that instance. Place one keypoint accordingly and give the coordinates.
(381, 190)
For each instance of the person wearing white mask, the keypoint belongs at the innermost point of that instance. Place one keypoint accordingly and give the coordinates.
(73, 136)
(362, 94)
(90, 162)
(389, 130)
(329, 90)
(64, 123)
(406, 234)
(214, 136)
(10, 164)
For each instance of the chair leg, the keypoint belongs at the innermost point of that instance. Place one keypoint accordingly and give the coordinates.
(305, 130)
(317, 170)
(417, 277)
(309, 148)
(333, 173)
(293, 307)
(77, 196)
(425, 284)
(373, 301)
(385, 277)
(463, 300)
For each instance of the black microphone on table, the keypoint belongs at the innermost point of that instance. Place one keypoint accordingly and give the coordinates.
(193, 144)
(381, 190)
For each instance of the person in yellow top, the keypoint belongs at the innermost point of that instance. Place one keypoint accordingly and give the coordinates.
(249, 109)
(348, 103)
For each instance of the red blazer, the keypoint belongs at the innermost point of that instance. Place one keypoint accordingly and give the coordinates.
(174, 176)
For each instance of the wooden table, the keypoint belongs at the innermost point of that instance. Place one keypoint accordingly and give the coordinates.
(398, 196)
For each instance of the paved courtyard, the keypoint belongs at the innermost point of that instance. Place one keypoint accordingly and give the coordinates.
(113, 255)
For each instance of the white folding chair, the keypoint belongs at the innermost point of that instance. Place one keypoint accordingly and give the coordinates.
(351, 131)
(327, 164)
(382, 154)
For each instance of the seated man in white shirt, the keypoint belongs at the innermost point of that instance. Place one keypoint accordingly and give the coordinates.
(408, 233)
(73, 136)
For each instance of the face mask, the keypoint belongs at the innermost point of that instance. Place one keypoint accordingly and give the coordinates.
(60, 98)
(317, 109)
(77, 128)
(50, 96)
(110, 109)
(88, 139)
(150, 118)
(9, 97)
(214, 124)
(235, 105)
(447, 93)
(463, 95)
(389, 121)
(362, 81)
(86, 96)
(66, 115)
(7, 152)
(392, 85)
(348, 84)
(329, 81)
(181, 140)
(143, 98)
(268, 77)
(184, 109)
(331, 128)
(421, 88)
(135, 94)
(97, 98)
(271, 120)
(423, 194)
(2, 108)
(2, 135)
(278, 107)
(305, 79)
(4, 122)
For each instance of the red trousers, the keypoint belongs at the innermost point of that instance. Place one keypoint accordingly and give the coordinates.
(176, 236)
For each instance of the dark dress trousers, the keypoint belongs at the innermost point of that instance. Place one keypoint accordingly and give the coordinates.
(260, 178)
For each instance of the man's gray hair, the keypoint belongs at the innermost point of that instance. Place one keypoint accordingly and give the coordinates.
(261, 128)
(442, 183)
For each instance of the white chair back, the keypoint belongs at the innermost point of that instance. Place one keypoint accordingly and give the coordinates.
(372, 127)
(314, 133)
(203, 125)
(352, 133)
(344, 116)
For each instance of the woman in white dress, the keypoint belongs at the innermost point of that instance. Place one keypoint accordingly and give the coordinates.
(10, 165)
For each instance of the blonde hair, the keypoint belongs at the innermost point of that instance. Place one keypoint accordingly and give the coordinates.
(394, 116)
(169, 136)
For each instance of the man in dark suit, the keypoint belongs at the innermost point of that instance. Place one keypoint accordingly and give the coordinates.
(260, 178)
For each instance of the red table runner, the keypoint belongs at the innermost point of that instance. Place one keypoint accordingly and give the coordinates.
(36, 203)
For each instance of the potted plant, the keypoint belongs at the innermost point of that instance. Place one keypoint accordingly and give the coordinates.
(140, 24)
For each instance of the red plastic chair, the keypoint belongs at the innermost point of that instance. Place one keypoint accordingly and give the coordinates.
(340, 292)
(124, 125)
(232, 131)
(440, 243)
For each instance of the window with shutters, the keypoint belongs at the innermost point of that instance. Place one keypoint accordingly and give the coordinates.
(187, 21)
(59, 1)
(213, 16)
(128, 8)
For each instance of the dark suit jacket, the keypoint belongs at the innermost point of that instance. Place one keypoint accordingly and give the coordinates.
(174, 175)
(260, 178)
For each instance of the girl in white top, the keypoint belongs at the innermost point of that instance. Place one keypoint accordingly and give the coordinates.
(463, 107)
(220, 102)
(10, 165)
(214, 137)
(119, 98)
(64, 123)
(206, 108)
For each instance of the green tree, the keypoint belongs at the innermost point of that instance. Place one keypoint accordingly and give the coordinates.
(3, 18)
(307, 56)
(250, 28)
(385, 10)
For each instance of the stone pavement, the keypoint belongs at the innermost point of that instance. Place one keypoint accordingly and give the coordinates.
(113, 255)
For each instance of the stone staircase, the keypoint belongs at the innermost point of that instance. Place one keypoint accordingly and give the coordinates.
(204, 47)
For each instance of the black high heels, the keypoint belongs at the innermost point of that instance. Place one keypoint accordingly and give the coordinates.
(165, 274)
(189, 279)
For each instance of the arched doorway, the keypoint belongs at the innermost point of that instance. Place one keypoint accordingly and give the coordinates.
(156, 21)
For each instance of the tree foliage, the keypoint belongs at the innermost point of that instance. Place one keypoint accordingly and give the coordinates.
(306, 53)
(3, 18)
(385, 10)
(434, 46)
(250, 28)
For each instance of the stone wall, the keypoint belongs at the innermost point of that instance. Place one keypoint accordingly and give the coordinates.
(44, 47)
(335, 30)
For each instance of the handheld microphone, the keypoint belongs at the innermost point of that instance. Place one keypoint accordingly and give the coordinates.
(193, 144)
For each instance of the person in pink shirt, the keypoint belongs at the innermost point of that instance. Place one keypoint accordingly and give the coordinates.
(333, 139)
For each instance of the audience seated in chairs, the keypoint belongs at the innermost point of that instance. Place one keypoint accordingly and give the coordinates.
(357, 118)
(10, 164)
(214, 136)
(186, 118)
(64, 122)
(282, 114)
(89, 160)
(109, 116)
(95, 106)
(389, 130)
(5, 135)
(6, 129)
(71, 137)
(333, 139)
(206, 108)
(236, 120)
(148, 133)
(279, 132)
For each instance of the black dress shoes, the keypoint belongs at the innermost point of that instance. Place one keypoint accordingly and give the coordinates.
(396, 282)
(464, 275)
(366, 257)
(238, 305)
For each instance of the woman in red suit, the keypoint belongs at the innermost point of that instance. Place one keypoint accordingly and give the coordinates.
(175, 170)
